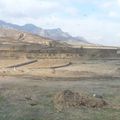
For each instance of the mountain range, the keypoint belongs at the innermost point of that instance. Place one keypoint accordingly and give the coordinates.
(54, 34)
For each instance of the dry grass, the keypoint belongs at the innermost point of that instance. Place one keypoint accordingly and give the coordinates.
(77, 69)
(67, 99)
(31, 98)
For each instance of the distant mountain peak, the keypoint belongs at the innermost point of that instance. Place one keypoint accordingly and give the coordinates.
(2, 22)
(58, 29)
(55, 34)
(29, 25)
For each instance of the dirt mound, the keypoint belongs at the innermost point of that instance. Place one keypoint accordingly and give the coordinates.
(68, 99)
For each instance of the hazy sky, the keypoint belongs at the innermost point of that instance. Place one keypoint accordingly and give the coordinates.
(96, 20)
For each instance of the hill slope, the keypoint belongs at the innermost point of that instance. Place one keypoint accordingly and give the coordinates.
(55, 34)
(11, 36)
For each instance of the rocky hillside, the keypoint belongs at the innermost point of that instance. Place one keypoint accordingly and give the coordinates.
(55, 34)
(11, 36)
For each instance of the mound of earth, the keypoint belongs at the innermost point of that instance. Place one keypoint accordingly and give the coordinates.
(67, 99)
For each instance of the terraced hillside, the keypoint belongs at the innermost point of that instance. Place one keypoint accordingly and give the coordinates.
(15, 45)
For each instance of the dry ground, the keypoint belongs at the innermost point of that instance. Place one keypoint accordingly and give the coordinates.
(78, 68)
(29, 95)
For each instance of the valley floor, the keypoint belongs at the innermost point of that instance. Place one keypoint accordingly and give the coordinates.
(32, 98)
(63, 68)
(26, 93)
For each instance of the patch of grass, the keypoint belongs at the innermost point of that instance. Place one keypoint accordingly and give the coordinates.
(14, 106)
(2, 99)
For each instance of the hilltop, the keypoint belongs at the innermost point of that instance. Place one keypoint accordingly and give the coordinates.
(55, 34)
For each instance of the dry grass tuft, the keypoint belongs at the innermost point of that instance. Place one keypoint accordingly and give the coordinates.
(67, 98)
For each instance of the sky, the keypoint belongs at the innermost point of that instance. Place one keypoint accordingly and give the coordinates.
(98, 21)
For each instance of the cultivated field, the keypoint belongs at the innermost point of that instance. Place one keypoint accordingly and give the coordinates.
(63, 68)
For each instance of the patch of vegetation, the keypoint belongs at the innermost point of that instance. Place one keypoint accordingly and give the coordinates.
(1, 98)
(16, 102)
